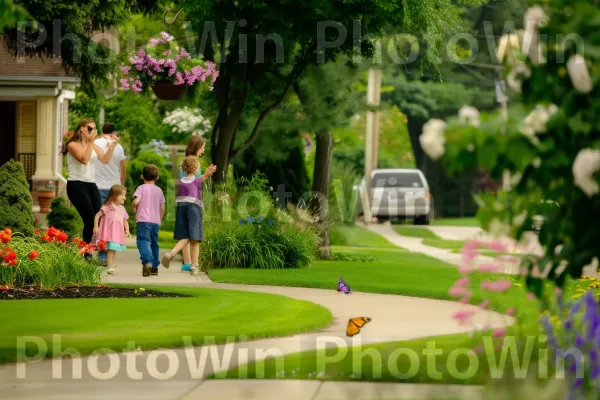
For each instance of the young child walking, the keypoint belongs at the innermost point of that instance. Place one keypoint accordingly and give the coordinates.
(188, 219)
(113, 226)
(149, 207)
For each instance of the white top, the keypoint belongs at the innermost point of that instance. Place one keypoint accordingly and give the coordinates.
(82, 172)
(109, 174)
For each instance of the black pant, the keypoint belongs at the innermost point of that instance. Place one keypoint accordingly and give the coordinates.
(86, 200)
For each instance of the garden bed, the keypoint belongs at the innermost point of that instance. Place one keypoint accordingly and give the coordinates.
(87, 292)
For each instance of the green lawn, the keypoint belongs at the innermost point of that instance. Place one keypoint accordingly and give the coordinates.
(357, 236)
(470, 221)
(415, 231)
(395, 272)
(86, 324)
(382, 363)
(445, 243)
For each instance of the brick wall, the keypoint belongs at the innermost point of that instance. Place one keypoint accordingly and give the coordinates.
(35, 66)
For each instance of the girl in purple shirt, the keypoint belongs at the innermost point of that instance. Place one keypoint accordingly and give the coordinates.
(188, 219)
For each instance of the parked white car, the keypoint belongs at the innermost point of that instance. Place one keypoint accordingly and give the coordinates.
(398, 193)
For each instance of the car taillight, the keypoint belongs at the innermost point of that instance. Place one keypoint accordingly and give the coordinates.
(427, 195)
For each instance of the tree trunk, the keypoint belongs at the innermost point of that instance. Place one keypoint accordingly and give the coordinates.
(415, 127)
(220, 151)
(320, 188)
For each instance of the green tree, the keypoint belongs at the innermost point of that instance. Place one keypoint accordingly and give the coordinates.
(301, 43)
(10, 14)
(74, 21)
(16, 203)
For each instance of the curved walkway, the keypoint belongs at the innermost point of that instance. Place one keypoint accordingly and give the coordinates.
(394, 318)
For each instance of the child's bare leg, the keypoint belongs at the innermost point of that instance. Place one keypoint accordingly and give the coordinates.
(169, 255)
(110, 258)
(195, 250)
(187, 258)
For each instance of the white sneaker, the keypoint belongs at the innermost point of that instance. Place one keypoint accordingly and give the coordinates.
(195, 271)
(110, 271)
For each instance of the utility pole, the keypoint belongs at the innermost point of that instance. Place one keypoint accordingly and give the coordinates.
(371, 138)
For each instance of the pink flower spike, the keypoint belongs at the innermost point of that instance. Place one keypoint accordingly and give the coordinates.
(465, 300)
(465, 269)
(498, 246)
(471, 245)
(463, 316)
(457, 291)
(558, 291)
(488, 267)
(510, 311)
(462, 282)
(484, 304)
(530, 296)
(499, 333)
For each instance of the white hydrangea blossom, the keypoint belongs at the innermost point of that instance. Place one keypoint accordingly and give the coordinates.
(517, 72)
(579, 74)
(536, 121)
(186, 121)
(585, 166)
(469, 115)
(432, 139)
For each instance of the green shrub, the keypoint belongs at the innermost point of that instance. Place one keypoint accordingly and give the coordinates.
(272, 242)
(64, 218)
(47, 262)
(246, 229)
(16, 203)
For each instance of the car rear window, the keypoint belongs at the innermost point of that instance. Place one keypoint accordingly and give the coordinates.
(397, 179)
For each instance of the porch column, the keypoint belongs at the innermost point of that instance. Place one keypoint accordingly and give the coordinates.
(46, 113)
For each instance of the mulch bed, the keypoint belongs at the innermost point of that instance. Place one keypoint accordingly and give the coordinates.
(99, 292)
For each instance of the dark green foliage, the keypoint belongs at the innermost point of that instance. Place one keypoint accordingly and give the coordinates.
(283, 164)
(64, 218)
(74, 21)
(16, 203)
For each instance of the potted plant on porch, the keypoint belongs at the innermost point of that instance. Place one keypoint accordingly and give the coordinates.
(45, 194)
(166, 67)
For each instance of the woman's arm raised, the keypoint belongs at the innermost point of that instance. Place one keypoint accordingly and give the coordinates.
(105, 157)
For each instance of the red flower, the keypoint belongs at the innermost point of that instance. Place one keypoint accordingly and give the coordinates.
(7, 248)
(10, 256)
(46, 238)
(33, 255)
(4, 238)
(102, 245)
(52, 231)
(3, 288)
(61, 237)
(12, 262)
(8, 231)
(37, 231)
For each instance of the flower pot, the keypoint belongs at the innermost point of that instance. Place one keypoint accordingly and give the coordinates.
(168, 91)
(44, 199)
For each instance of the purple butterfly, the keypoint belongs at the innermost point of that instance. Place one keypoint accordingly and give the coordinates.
(342, 286)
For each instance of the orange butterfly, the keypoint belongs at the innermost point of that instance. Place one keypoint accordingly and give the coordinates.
(354, 325)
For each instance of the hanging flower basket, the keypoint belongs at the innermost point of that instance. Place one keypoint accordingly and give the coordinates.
(167, 68)
(166, 90)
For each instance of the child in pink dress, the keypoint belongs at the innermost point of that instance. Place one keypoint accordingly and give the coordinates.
(113, 224)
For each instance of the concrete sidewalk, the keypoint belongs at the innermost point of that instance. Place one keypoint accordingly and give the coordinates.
(415, 244)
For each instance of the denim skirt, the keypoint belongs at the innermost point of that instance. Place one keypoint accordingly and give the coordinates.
(188, 222)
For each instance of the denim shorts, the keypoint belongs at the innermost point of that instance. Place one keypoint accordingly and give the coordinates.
(188, 222)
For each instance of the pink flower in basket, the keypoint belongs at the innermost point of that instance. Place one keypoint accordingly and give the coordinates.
(162, 60)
